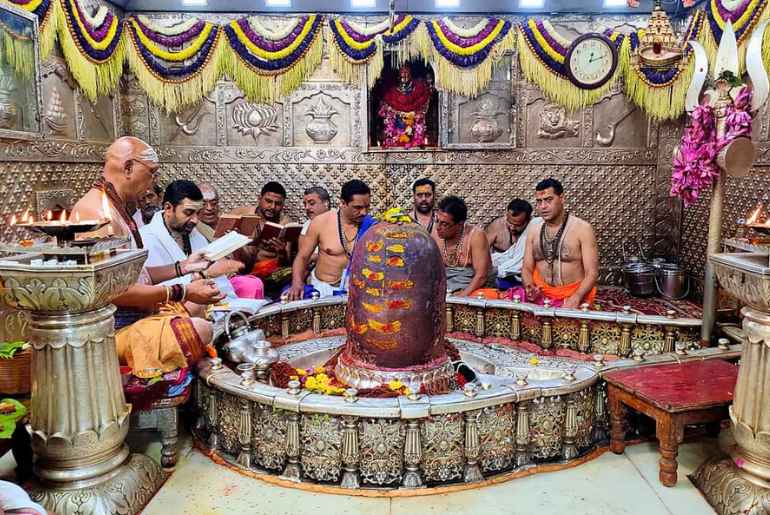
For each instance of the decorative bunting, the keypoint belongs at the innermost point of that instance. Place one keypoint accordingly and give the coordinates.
(542, 53)
(743, 17)
(175, 79)
(94, 52)
(17, 47)
(661, 92)
(48, 13)
(464, 58)
(353, 47)
(266, 67)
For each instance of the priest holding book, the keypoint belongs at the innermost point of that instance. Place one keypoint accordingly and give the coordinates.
(172, 235)
(268, 258)
(334, 233)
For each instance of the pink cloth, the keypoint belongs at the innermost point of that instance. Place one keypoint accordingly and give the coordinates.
(248, 287)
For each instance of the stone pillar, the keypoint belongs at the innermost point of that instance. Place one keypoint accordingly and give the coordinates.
(740, 483)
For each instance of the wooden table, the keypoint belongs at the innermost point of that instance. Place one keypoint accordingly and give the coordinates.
(675, 395)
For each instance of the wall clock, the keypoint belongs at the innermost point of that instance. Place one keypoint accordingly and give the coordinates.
(591, 61)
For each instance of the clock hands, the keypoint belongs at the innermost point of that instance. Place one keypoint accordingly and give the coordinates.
(591, 59)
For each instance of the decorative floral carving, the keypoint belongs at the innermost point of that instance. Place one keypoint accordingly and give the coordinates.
(442, 438)
(255, 119)
(497, 428)
(321, 455)
(381, 444)
(228, 424)
(486, 129)
(269, 440)
(546, 426)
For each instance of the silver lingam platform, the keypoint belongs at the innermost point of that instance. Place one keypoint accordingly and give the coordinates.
(519, 413)
(79, 416)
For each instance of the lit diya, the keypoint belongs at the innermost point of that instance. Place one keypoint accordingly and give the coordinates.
(62, 228)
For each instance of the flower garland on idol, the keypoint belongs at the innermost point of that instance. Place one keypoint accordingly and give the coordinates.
(744, 17)
(464, 58)
(354, 47)
(48, 13)
(694, 167)
(542, 55)
(265, 68)
(661, 92)
(175, 79)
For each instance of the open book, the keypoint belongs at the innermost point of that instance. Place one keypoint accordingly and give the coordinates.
(289, 232)
(244, 224)
(225, 245)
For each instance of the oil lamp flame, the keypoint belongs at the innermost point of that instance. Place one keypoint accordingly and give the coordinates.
(13, 220)
(77, 217)
(48, 215)
(63, 217)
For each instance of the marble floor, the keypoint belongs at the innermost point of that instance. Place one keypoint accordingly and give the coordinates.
(609, 485)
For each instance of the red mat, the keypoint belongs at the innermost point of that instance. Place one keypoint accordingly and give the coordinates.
(680, 386)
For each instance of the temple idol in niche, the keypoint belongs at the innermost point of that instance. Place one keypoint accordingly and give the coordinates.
(405, 108)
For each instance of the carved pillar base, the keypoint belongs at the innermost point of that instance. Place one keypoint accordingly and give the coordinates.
(126, 489)
(727, 488)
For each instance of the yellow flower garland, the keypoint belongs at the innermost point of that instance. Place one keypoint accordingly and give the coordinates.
(456, 49)
(179, 56)
(278, 54)
(740, 22)
(553, 54)
(350, 41)
(98, 45)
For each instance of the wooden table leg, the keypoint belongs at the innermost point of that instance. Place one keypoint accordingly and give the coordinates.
(617, 420)
(670, 432)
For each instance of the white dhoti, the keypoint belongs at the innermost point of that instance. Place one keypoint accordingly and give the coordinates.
(324, 289)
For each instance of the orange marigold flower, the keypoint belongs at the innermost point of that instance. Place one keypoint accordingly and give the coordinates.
(387, 328)
(372, 308)
(372, 275)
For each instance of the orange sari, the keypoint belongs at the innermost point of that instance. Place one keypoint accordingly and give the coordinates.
(558, 294)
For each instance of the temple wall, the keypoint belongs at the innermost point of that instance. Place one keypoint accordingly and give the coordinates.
(614, 163)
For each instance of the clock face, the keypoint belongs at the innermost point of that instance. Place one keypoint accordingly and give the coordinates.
(591, 61)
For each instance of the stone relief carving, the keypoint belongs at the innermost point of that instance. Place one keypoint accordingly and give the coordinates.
(255, 119)
(486, 128)
(555, 124)
(321, 128)
(55, 117)
(190, 120)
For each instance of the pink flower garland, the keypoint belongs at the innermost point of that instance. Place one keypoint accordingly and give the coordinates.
(405, 130)
(694, 167)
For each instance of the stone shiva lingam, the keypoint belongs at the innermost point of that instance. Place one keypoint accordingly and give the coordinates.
(395, 313)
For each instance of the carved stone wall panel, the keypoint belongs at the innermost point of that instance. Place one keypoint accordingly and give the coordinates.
(321, 456)
(135, 110)
(58, 100)
(95, 121)
(322, 117)
(549, 125)
(196, 125)
(252, 124)
(618, 123)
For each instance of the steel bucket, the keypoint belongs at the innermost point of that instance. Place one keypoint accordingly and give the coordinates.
(639, 279)
(671, 281)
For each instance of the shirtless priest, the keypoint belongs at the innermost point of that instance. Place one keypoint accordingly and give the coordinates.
(334, 234)
(561, 260)
(167, 337)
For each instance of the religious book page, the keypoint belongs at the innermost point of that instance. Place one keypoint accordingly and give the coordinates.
(244, 224)
(289, 232)
(225, 245)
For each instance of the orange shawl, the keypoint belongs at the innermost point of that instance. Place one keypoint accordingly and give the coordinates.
(560, 293)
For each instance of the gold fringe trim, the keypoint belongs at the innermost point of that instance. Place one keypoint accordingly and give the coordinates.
(259, 87)
(94, 78)
(350, 72)
(454, 79)
(660, 103)
(175, 95)
(561, 90)
(18, 54)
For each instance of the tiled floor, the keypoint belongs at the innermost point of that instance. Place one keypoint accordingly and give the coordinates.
(610, 485)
